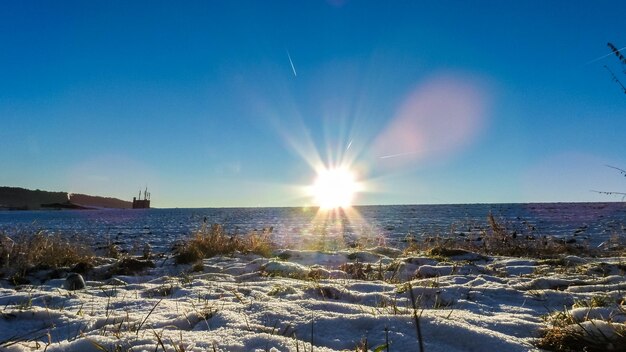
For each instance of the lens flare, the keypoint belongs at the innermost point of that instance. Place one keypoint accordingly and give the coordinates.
(439, 117)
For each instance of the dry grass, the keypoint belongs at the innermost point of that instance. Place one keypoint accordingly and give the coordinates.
(28, 252)
(565, 334)
(499, 239)
(213, 240)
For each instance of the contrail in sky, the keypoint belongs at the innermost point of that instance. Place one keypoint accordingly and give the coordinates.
(397, 155)
(602, 57)
(349, 144)
(292, 66)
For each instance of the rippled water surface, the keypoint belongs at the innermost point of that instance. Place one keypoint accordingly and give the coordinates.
(592, 222)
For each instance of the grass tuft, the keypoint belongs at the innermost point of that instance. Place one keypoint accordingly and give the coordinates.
(503, 239)
(566, 334)
(211, 241)
(29, 252)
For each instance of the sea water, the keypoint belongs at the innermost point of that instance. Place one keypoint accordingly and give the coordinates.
(592, 223)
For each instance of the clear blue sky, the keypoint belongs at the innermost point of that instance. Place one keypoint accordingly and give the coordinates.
(432, 102)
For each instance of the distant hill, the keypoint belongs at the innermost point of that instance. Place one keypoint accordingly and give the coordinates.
(99, 202)
(15, 198)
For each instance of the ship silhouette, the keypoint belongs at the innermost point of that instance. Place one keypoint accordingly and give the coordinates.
(144, 203)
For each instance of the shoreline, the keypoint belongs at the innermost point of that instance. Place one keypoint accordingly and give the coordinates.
(352, 206)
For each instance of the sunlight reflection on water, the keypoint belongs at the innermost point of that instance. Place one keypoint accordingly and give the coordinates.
(162, 227)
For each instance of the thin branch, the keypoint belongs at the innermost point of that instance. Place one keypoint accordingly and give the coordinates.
(615, 79)
(609, 193)
(617, 53)
(612, 193)
(621, 171)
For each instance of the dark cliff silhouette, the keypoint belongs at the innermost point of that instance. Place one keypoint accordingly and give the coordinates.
(100, 202)
(15, 198)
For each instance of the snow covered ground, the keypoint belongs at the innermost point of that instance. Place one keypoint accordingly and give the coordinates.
(313, 301)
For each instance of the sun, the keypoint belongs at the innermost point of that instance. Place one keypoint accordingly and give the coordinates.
(334, 188)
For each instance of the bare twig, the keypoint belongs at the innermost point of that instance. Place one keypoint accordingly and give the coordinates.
(621, 171)
(617, 53)
(615, 79)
